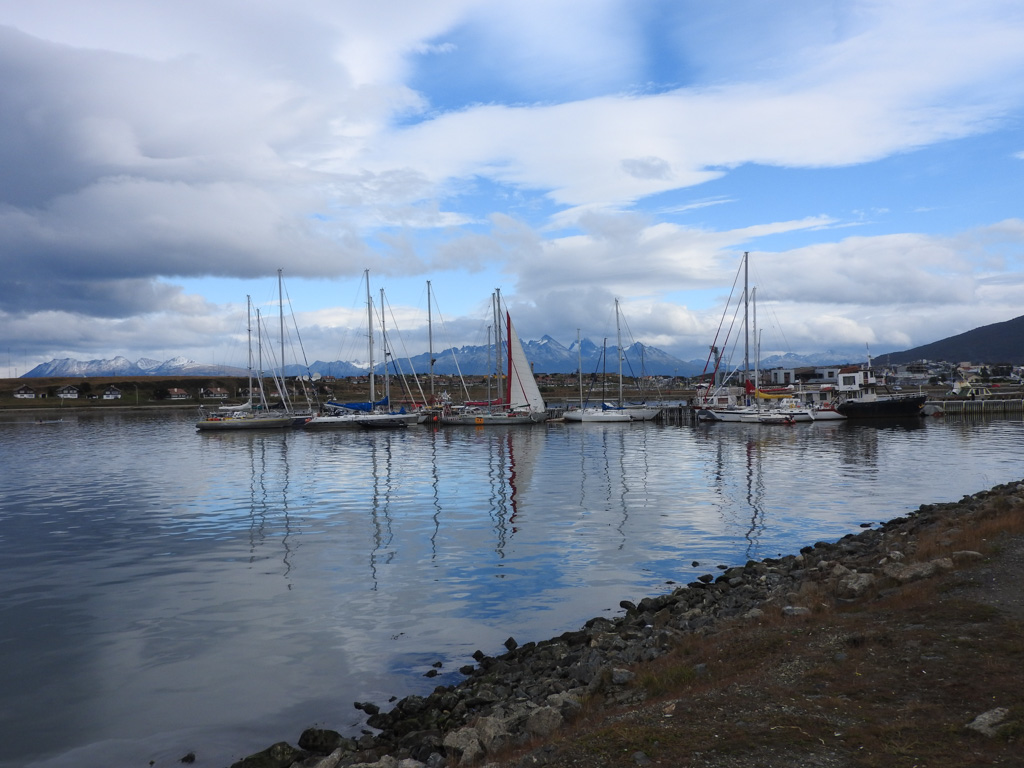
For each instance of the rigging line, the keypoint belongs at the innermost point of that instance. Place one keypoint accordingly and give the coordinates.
(302, 350)
(633, 342)
(398, 366)
(451, 348)
(721, 322)
(774, 320)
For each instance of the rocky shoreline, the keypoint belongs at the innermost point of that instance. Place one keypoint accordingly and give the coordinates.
(534, 690)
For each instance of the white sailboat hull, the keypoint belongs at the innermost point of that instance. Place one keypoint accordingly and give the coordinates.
(642, 413)
(596, 415)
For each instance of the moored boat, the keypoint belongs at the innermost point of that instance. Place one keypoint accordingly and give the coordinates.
(769, 417)
(522, 403)
(884, 407)
(365, 413)
(857, 397)
(247, 415)
(596, 414)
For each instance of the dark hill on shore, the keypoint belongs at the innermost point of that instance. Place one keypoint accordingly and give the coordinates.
(991, 344)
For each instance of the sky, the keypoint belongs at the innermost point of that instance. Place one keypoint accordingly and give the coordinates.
(160, 161)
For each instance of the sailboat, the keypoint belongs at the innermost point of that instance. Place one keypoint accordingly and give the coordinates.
(612, 413)
(368, 414)
(724, 405)
(246, 415)
(603, 413)
(522, 402)
(636, 411)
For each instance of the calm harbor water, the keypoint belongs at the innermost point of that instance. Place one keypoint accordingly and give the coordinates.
(167, 591)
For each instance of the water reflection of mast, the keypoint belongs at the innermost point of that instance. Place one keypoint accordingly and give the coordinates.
(259, 497)
(624, 488)
(513, 495)
(436, 484)
(286, 486)
(380, 508)
(755, 497)
(595, 446)
(727, 488)
(502, 496)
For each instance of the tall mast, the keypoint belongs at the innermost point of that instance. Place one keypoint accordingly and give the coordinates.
(604, 369)
(280, 302)
(384, 347)
(508, 344)
(248, 325)
(259, 347)
(579, 365)
(746, 327)
(430, 342)
(369, 330)
(497, 341)
(489, 369)
(757, 352)
(618, 347)
(280, 305)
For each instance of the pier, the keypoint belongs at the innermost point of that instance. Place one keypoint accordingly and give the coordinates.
(980, 407)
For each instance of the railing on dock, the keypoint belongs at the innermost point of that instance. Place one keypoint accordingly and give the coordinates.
(676, 415)
(980, 407)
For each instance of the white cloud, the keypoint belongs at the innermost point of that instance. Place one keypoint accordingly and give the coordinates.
(155, 142)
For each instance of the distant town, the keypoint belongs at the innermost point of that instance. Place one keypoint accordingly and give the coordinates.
(941, 378)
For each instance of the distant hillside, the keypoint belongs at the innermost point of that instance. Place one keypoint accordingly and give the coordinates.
(996, 343)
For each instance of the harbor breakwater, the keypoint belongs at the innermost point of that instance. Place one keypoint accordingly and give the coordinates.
(526, 694)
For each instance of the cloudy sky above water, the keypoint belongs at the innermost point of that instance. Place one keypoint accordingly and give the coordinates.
(161, 160)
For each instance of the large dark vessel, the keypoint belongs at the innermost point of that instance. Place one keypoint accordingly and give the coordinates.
(883, 407)
(858, 397)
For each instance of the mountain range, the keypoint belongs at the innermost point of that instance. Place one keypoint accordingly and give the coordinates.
(996, 343)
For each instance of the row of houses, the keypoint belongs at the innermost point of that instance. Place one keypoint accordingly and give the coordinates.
(72, 392)
(69, 392)
(919, 373)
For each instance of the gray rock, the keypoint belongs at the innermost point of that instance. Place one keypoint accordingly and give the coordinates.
(493, 734)
(988, 723)
(543, 721)
(465, 743)
(966, 556)
(916, 571)
(854, 585)
(330, 761)
(622, 676)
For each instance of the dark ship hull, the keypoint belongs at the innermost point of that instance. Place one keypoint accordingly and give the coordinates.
(882, 408)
